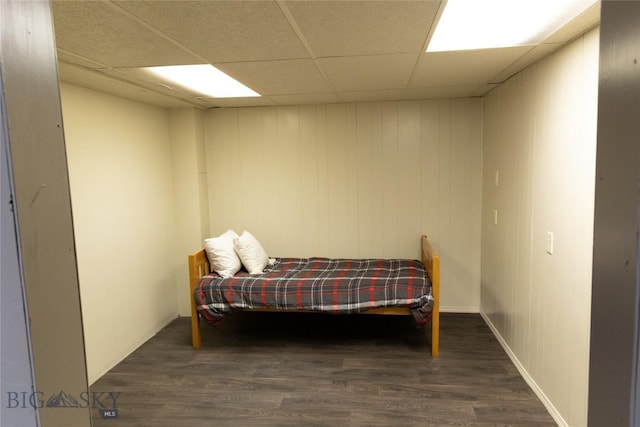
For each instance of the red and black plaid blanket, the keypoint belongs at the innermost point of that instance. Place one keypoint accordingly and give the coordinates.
(320, 284)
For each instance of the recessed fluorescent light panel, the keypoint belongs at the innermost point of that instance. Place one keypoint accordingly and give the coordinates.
(485, 24)
(203, 79)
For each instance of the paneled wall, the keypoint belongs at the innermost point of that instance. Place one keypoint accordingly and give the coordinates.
(354, 180)
(120, 171)
(186, 131)
(539, 174)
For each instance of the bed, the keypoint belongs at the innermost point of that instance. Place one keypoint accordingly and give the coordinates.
(343, 286)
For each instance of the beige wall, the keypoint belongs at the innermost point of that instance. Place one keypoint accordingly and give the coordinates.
(186, 130)
(540, 135)
(335, 180)
(120, 170)
(354, 180)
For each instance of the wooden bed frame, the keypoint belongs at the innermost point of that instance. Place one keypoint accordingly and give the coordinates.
(199, 266)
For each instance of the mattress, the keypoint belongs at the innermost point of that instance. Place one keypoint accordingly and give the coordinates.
(337, 286)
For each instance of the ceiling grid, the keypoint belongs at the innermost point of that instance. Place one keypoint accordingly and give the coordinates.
(291, 52)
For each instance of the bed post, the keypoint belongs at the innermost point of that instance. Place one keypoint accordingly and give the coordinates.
(198, 267)
(431, 262)
(435, 318)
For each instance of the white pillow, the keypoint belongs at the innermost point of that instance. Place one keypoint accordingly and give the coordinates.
(221, 253)
(253, 256)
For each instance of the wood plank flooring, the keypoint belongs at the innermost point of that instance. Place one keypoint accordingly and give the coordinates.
(277, 369)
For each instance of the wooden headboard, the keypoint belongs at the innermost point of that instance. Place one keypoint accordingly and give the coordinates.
(198, 267)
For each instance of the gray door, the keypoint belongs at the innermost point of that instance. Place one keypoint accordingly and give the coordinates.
(19, 399)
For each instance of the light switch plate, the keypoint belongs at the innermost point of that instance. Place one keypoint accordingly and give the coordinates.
(549, 242)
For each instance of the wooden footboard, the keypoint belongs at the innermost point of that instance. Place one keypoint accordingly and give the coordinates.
(431, 262)
(199, 266)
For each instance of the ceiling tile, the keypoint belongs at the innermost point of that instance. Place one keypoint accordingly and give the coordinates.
(71, 58)
(464, 68)
(224, 31)
(364, 73)
(482, 90)
(97, 31)
(311, 98)
(364, 27)
(533, 55)
(240, 102)
(440, 92)
(298, 76)
(371, 96)
(141, 78)
(584, 21)
(358, 51)
(97, 80)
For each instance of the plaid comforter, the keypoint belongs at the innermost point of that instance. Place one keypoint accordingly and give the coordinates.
(320, 284)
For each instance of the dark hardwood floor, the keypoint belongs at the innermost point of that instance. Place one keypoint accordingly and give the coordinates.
(276, 369)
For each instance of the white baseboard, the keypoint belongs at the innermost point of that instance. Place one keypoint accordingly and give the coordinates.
(529, 380)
